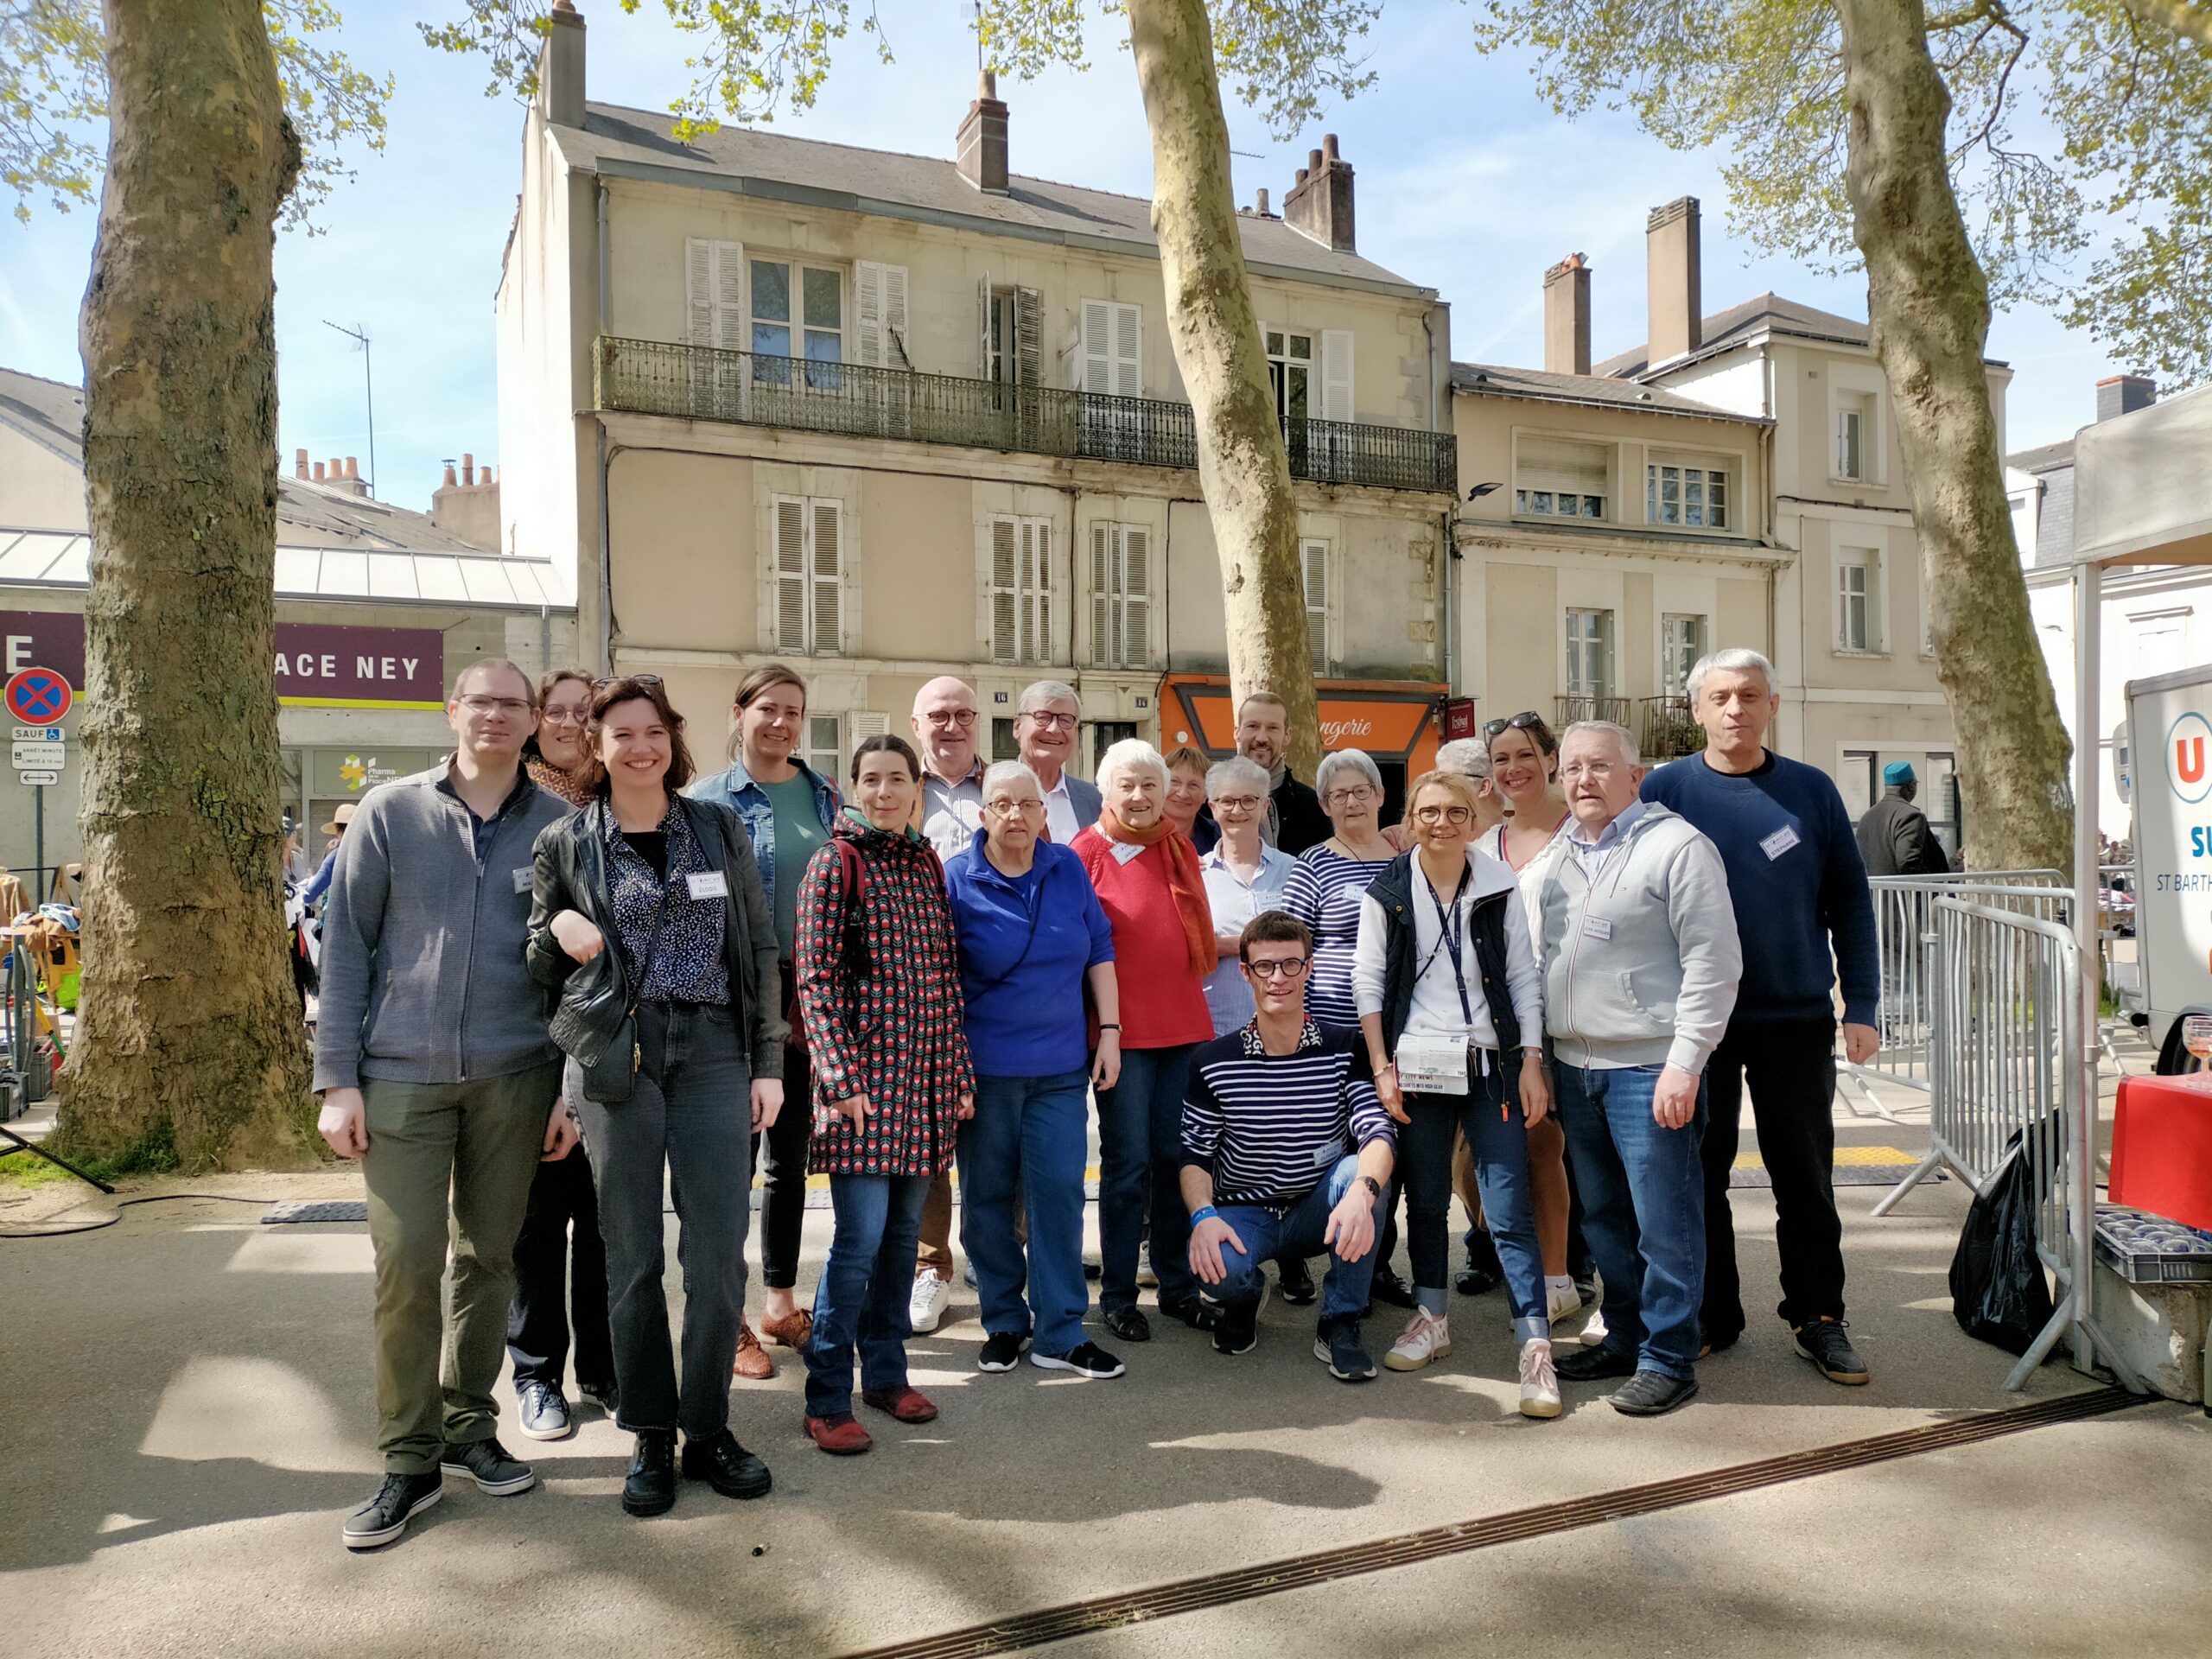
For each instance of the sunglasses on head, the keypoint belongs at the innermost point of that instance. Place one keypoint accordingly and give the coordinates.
(1527, 719)
(601, 684)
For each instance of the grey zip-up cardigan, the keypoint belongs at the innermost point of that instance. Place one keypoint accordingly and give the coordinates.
(423, 979)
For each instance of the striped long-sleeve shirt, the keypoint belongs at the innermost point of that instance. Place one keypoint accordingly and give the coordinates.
(1268, 1127)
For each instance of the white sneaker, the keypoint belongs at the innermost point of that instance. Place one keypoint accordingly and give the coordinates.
(1562, 1299)
(1538, 1382)
(1593, 1328)
(1426, 1337)
(932, 1295)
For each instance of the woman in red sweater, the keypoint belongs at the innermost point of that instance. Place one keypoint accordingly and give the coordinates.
(1149, 883)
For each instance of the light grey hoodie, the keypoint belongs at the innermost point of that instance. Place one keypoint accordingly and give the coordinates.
(1641, 969)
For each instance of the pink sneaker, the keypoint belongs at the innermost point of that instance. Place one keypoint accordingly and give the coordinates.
(1426, 1337)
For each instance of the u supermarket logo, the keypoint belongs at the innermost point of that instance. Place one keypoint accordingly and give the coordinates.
(2189, 758)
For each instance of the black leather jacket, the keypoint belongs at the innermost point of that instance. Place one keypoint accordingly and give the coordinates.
(570, 874)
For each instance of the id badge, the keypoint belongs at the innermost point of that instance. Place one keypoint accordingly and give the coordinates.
(1431, 1064)
(708, 884)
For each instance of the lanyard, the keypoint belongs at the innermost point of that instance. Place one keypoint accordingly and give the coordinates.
(1448, 923)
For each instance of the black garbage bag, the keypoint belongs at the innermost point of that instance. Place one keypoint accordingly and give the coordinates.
(1998, 1291)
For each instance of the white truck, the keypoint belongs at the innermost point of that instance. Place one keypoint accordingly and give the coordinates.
(2169, 763)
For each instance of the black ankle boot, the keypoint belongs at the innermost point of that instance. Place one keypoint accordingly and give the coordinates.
(650, 1489)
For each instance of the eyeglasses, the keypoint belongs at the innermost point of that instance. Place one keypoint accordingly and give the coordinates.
(1527, 721)
(1015, 808)
(1236, 803)
(964, 718)
(553, 716)
(1283, 967)
(1050, 721)
(601, 684)
(1350, 797)
(1440, 814)
(477, 703)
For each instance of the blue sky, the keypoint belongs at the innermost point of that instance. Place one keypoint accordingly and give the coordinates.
(1467, 182)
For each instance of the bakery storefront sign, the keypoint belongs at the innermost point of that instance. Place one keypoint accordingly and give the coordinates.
(318, 666)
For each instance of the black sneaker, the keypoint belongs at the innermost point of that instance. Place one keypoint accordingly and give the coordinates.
(399, 1500)
(1339, 1348)
(494, 1470)
(1084, 1359)
(725, 1465)
(1193, 1310)
(651, 1488)
(1128, 1324)
(1652, 1394)
(1296, 1281)
(1002, 1349)
(599, 1393)
(1823, 1342)
(1475, 1282)
(1236, 1330)
(1388, 1287)
(1592, 1364)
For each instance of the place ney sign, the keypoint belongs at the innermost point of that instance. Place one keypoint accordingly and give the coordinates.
(318, 666)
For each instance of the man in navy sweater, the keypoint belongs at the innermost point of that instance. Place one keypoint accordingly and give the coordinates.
(1798, 885)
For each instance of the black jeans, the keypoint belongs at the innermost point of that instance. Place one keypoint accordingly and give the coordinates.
(691, 1115)
(1789, 1067)
(560, 1199)
(783, 1167)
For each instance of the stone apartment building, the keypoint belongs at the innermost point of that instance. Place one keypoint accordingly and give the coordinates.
(888, 417)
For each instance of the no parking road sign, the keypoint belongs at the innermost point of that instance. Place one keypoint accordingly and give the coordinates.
(38, 696)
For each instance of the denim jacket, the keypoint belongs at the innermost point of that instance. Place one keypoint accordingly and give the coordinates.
(736, 789)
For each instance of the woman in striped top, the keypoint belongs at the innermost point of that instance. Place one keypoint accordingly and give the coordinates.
(1324, 888)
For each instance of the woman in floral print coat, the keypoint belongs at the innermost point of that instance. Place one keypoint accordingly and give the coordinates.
(878, 991)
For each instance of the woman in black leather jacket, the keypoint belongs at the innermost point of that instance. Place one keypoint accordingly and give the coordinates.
(649, 917)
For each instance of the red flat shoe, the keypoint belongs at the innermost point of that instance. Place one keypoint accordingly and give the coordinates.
(841, 1436)
(908, 1405)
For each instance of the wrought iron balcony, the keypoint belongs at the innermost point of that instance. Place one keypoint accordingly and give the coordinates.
(1668, 731)
(702, 384)
(1570, 710)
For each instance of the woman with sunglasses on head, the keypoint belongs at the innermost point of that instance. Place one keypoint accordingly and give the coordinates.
(1451, 1006)
(561, 1198)
(789, 811)
(879, 987)
(649, 917)
(1524, 768)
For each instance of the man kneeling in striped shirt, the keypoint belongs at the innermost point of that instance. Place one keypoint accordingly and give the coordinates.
(1284, 1154)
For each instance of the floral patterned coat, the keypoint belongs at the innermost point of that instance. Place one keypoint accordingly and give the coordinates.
(893, 1032)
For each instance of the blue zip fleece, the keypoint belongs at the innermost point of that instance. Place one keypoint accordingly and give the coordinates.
(1024, 994)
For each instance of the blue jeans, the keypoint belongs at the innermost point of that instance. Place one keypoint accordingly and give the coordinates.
(1141, 1168)
(1025, 1144)
(1498, 1137)
(1269, 1233)
(1644, 1198)
(865, 1288)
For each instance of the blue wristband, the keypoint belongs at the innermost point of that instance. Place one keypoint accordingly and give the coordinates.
(1205, 1212)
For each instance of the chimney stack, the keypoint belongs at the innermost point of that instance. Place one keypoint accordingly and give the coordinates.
(1672, 245)
(450, 482)
(468, 469)
(318, 472)
(468, 507)
(1567, 316)
(561, 67)
(299, 463)
(1319, 204)
(982, 141)
(2123, 394)
(1260, 204)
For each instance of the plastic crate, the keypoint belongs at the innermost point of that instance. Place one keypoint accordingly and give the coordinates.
(2147, 1249)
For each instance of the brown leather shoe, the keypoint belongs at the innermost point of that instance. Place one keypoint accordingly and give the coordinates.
(752, 1362)
(790, 1332)
(841, 1436)
(906, 1403)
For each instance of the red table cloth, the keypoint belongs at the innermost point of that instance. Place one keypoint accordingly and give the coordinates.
(2162, 1148)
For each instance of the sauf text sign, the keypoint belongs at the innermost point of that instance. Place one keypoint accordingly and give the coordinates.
(317, 665)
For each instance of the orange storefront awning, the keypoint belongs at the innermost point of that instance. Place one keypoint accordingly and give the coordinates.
(1393, 721)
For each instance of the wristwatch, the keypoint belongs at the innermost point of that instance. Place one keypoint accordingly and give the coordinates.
(1373, 1186)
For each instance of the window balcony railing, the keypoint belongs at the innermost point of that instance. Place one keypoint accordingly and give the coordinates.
(703, 384)
(1668, 731)
(1570, 710)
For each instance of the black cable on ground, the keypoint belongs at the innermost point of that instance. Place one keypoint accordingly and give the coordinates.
(121, 1205)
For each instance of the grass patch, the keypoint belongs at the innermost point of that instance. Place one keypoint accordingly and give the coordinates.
(152, 1154)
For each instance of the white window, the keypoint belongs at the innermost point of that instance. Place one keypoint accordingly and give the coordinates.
(1314, 563)
(1682, 642)
(810, 591)
(1854, 594)
(879, 305)
(825, 746)
(1589, 653)
(1121, 596)
(1855, 429)
(1554, 478)
(1695, 497)
(714, 294)
(1290, 374)
(798, 310)
(1021, 589)
(1113, 341)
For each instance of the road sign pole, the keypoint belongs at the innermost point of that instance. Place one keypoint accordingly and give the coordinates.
(38, 822)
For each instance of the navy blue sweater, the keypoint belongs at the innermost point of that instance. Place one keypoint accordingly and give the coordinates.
(1796, 879)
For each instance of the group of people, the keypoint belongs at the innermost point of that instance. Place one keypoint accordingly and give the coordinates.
(563, 970)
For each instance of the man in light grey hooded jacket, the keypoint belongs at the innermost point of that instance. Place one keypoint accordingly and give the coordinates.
(1638, 941)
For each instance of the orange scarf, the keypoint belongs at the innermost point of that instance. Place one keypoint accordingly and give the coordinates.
(1184, 882)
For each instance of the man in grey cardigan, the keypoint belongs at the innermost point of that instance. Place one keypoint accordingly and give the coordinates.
(1637, 940)
(436, 1069)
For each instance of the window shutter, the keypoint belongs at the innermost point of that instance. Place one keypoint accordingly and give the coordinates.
(699, 290)
(983, 327)
(1135, 642)
(1097, 348)
(790, 575)
(1104, 607)
(1315, 558)
(894, 318)
(867, 303)
(866, 724)
(1040, 534)
(828, 591)
(1004, 581)
(730, 332)
(1128, 380)
(1336, 375)
(1029, 335)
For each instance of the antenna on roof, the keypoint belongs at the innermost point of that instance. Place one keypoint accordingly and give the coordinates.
(975, 10)
(361, 336)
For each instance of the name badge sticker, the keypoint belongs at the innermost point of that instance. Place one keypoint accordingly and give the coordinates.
(1324, 1156)
(522, 878)
(1126, 850)
(1779, 842)
(1597, 927)
(708, 884)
